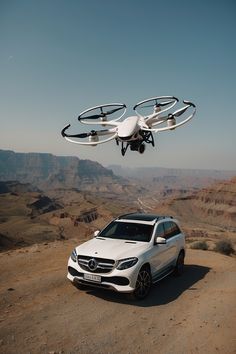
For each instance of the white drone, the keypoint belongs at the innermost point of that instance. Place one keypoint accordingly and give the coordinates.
(133, 131)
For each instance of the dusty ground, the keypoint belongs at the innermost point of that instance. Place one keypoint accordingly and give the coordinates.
(40, 312)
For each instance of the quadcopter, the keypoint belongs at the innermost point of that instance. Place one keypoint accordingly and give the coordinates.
(133, 131)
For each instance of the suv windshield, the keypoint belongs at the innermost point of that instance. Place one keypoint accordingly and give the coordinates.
(128, 231)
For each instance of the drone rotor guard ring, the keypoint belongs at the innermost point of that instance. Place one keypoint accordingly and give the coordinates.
(156, 130)
(102, 114)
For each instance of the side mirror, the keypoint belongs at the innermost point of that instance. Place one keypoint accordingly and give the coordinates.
(160, 240)
(96, 233)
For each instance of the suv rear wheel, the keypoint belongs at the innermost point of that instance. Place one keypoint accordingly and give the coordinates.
(179, 267)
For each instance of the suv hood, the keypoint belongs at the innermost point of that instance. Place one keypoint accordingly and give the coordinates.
(111, 248)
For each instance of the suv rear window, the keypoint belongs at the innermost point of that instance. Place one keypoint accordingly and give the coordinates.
(128, 231)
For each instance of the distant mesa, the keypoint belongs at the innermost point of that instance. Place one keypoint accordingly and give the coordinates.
(47, 171)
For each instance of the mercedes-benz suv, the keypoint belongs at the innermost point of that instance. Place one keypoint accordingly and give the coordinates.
(130, 254)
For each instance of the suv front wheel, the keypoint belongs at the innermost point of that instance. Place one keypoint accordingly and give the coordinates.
(143, 284)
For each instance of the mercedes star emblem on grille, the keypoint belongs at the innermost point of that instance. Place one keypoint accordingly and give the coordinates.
(92, 264)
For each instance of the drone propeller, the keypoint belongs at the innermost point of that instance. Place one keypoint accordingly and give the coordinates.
(157, 104)
(180, 111)
(93, 135)
(82, 135)
(102, 114)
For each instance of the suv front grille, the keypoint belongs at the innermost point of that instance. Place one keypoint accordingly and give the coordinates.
(95, 264)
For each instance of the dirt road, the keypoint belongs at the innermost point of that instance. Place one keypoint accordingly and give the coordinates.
(40, 312)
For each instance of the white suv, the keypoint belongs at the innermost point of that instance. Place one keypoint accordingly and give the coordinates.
(129, 254)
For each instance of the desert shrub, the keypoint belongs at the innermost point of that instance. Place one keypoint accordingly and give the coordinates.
(224, 247)
(200, 245)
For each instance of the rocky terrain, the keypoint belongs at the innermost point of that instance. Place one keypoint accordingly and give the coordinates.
(218, 203)
(28, 217)
(208, 213)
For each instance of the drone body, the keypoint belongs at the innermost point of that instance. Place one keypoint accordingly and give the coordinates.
(133, 131)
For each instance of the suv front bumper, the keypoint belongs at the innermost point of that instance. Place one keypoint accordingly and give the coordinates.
(118, 280)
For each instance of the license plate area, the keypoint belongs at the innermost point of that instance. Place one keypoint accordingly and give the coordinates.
(93, 277)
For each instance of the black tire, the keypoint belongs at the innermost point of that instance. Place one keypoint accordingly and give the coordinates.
(143, 284)
(179, 267)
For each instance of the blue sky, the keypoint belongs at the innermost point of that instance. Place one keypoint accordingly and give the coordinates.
(58, 58)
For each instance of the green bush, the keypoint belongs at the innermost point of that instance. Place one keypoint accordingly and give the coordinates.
(200, 245)
(224, 247)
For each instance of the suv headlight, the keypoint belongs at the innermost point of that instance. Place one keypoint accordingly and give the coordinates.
(74, 255)
(126, 263)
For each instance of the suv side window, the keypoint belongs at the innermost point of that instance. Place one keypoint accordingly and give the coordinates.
(160, 232)
(175, 229)
(168, 229)
(171, 229)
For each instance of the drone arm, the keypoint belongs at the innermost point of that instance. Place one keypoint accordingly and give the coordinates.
(155, 121)
(155, 116)
(106, 131)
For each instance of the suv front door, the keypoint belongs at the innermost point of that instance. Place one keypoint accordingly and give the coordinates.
(159, 253)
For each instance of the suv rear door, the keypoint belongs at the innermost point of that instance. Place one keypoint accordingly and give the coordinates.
(163, 256)
(172, 234)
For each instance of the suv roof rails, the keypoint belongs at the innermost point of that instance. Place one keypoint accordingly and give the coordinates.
(123, 215)
(143, 216)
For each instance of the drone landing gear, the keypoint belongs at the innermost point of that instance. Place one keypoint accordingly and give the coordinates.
(137, 145)
(148, 137)
(124, 148)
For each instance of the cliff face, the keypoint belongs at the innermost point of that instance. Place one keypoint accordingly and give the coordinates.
(214, 206)
(48, 171)
(218, 202)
